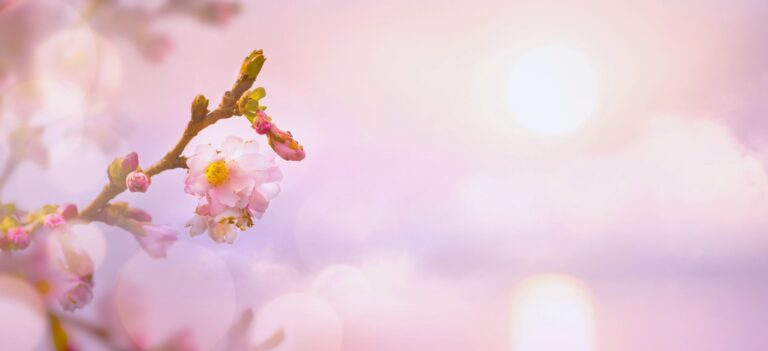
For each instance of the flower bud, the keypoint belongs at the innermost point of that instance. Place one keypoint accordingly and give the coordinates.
(138, 214)
(18, 237)
(130, 162)
(262, 124)
(69, 211)
(137, 181)
(199, 107)
(54, 220)
(121, 166)
(252, 64)
(284, 145)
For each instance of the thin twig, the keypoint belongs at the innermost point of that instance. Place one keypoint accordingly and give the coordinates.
(173, 159)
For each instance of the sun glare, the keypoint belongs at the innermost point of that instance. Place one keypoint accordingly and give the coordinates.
(553, 90)
(552, 313)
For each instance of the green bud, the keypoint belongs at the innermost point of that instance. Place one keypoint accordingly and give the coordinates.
(199, 108)
(252, 64)
(121, 166)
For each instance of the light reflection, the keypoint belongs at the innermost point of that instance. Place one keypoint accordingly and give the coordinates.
(553, 90)
(307, 321)
(22, 321)
(552, 313)
(72, 166)
(347, 288)
(191, 289)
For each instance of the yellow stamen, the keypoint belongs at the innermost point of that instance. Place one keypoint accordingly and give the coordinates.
(217, 172)
(43, 287)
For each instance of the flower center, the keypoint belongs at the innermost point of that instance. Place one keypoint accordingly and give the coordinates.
(217, 172)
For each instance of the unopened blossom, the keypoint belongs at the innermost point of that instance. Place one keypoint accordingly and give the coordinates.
(18, 237)
(138, 214)
(156, 240)
(54, 221)
(69, 211)
(137, 181)
(130, 162)
(280, 141)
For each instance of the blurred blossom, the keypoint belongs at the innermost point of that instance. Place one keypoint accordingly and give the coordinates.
(70, 159)
(54, 220)
(191, 289)
(18, 237)
(156, 240)
(307, 321)
(22, 315)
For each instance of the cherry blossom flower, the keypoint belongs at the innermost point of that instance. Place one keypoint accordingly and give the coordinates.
(234, 185)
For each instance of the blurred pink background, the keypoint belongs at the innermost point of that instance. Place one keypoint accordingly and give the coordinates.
(427, 215)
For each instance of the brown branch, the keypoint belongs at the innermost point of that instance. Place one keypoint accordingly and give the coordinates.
(173, 159)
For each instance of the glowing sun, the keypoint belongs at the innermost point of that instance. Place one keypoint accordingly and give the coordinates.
(553, 90)
(552, 313)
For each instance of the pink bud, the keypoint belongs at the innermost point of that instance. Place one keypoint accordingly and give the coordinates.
(137, 181)
(69, 211)
(262, 127)
(138, 214)
(261, 123)
(284, 145)
(18, 237)
(54, 220)
(130, 162)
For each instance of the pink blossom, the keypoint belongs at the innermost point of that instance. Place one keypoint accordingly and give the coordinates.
(222, 228)
(76, 261)
(156, 240)
(77, 297)
(157, 47)
(234, 185)
(226, 179)
(18, 237)
(183, 340)
(54, 221)
(137, 181)
(76, 271)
